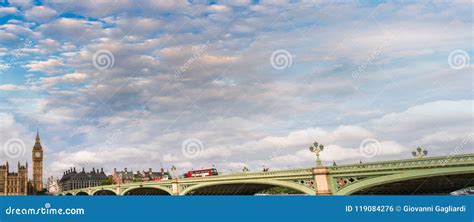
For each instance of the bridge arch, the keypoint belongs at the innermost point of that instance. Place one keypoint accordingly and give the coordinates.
(421, 175)
(68, 194)
(147, 190)
(82, 193)
(264, 184)
(104, 192)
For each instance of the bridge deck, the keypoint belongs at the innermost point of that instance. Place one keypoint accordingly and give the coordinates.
(394, 170)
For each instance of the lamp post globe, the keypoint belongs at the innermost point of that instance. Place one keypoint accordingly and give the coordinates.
(419, 153)
(173, 171)
(316, 148)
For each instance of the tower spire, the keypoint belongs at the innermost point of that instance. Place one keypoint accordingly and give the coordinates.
(37, 154)
(37, 141)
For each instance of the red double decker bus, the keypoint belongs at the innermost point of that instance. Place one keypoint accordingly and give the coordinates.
(202, 173)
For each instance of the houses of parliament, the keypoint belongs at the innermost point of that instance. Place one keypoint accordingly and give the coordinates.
(17, 183)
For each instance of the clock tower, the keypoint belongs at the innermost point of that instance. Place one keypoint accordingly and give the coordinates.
(37, 165)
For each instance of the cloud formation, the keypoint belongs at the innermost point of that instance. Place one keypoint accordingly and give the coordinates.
(197, 70)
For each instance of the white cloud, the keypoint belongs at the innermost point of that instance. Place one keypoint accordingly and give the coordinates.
(12, 130)
(342, 135)
(72, 29)
(11, 87)
(66, 78)
(21, 3)
(19, 30)
(4, 11)
(40, 14)
(426, 116)
(7, 37)
(101, 157)
(342, 143)
(52, 65)
(304, 157)
(237, 2)
(219, 8)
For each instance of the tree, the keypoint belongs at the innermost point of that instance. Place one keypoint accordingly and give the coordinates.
(108, 181)
(279, 190)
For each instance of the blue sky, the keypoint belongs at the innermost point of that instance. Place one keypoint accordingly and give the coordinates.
(234, 83)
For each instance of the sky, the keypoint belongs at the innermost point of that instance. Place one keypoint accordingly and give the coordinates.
(233, 84)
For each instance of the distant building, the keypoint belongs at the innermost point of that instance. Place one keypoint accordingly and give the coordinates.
(52, 185)
(13, 183)
(151, 176)
(72, 180)
(121, 177)
(125, 176)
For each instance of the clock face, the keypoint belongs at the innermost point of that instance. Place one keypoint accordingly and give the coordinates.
(37, 154)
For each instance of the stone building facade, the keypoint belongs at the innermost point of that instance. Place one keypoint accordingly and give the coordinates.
(72, 179)
(13, 183)
(17, 183)
(52, 185)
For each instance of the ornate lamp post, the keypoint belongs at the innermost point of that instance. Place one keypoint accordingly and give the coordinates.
(419, 153)
(173, 171)
(316, 148)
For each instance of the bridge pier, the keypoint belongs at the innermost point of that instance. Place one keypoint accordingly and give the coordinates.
(321, 177)
(175, 187)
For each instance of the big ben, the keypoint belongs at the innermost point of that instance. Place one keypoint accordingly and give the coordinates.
(37, 165)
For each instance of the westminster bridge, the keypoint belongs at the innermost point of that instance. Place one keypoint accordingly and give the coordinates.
(433, 175)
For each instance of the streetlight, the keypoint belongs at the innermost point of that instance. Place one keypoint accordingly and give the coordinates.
(420, 153)
(173, 171)
(316, 149)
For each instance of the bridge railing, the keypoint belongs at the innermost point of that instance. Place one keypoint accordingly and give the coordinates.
(250, 174)
(407, 163)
